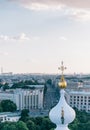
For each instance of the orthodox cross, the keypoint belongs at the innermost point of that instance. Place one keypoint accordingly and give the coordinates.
(62, 68)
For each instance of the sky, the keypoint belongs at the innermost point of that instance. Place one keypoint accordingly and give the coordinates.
(36, 35)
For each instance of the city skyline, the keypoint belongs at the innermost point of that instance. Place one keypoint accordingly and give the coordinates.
(36, 35)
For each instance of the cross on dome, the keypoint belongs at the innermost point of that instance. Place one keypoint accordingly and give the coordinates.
(62, 67)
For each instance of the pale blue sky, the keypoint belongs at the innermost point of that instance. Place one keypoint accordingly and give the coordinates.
(36, 36)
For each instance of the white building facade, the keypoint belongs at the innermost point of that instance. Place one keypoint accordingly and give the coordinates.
(9, 116)
(31, 98)
(79, 99)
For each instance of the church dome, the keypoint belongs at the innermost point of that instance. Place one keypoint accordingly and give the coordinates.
(62, 114)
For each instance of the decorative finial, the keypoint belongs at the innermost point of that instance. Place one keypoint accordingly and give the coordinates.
(62, 83)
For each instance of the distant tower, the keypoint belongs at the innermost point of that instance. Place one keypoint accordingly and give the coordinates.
(62, 114)
(1, 70)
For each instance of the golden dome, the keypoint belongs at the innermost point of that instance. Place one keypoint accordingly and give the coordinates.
(62, 83)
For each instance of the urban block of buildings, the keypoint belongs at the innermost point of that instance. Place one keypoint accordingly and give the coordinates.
(31, 98)
(79, 99)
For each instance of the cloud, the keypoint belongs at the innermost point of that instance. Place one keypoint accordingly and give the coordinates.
(39, 4)
(3, 53)
(79, 14)
(4, 37)
(45, 4)
(63, 38)
(21, 37)
(73, 9)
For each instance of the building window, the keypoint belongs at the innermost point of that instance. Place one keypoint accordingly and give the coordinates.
(5, 117)
(70, 96)
(70, 102)
(74, 102)
(1, 119)
(31, 101)
(34, 100)
(8, 119)
(85, 97)
(25, 100)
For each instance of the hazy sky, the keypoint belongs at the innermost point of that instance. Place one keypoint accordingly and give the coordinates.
(36, 35)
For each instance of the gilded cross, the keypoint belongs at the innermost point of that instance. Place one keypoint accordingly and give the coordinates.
(62, 68)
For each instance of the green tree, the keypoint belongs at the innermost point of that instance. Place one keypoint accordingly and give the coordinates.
(21, 126)
(8, 106)
(24, 115)
(5, 86)
(38, 120)
(47, 124)
(88, 125)
(31, 125)
(1, 110)
(8, 126)
(49, 81)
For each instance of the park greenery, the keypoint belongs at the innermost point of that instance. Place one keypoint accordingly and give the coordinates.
(7, 106)
(24, 84)
(81, 122)
(21, 84)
